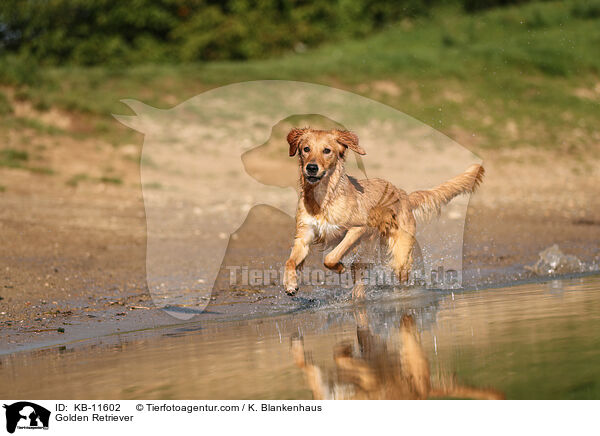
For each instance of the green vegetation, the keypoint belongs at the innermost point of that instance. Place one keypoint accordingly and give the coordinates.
(476, 5)
(41, 170)
(114, 32)
(13, 158)
(111, 180)
(5, 106)
(154, 185)
(523, 75)
(76, 179)
(14, 122)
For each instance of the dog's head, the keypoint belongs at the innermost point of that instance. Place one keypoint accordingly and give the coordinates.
(321, 150)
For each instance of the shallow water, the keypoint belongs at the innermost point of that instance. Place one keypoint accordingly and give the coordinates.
(534, 341)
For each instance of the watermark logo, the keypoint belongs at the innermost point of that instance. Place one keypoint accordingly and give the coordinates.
(220, 188)
(244, 277)
(25, 415)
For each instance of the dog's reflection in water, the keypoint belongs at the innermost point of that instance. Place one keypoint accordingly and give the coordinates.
(375, 372)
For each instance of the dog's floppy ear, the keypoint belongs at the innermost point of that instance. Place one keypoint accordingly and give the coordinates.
(349, 140)
(293, 138)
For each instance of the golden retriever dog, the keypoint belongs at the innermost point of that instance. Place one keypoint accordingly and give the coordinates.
(378, 372)
(335, 208)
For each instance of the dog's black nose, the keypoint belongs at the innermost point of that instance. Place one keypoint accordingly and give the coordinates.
(312, 168)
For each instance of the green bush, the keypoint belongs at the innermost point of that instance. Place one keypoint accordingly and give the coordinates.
(586, 9)
(477, 5)
(116, 32)
(18, 69)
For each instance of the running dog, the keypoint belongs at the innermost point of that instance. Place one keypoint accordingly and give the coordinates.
(335, 208)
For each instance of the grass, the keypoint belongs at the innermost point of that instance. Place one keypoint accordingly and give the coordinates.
(5, 106)
(13, 122)
(111, 180)
(12, 158)
(509, 77)
(76, 179)
(41, 170)
(154, 185)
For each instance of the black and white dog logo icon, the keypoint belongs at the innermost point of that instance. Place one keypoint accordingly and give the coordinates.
(26, 415)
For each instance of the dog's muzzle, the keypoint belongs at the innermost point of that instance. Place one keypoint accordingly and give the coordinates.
(310, 173)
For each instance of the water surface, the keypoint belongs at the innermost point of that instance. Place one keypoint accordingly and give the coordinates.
(532, 341)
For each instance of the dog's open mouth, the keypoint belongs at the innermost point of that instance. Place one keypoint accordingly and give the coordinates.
(313, 179)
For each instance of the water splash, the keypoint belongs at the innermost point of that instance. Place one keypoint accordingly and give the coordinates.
(553, 261)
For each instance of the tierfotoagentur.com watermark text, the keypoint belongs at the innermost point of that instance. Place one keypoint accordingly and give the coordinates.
(370, 275)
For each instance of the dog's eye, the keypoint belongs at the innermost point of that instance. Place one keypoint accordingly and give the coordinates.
(326, 151)
(306, 149)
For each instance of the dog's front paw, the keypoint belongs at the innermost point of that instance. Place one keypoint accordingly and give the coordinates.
(290, 283)
(291, 290)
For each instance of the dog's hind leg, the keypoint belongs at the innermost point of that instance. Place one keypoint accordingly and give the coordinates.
(400, 247)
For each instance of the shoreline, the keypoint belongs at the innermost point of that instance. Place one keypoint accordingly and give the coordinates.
(110, 329)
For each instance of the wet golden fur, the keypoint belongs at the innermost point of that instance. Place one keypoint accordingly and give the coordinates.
(334, 207)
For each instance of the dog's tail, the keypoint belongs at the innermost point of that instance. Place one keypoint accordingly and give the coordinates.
(428, 203)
